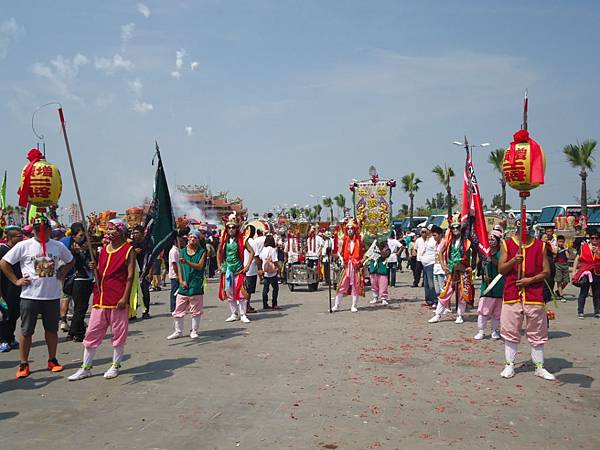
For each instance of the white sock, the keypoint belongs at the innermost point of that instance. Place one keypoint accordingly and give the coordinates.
(338, 300)
(461, 308)
(88, 357)
(195, 323)
(481, 322)
(232, 307)
(243, 305)
(178, 324)
(537, 355)
(496, 325)
(439, 309)
(510, 351)
(118, 355)
(354, 301)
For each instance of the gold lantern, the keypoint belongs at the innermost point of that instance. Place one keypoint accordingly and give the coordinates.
(524, 163)
(42, 182)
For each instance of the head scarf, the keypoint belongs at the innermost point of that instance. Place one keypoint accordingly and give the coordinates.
(119, 225)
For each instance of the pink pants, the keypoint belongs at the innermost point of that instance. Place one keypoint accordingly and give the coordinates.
(192, 303)
(349, 284)
(490, 307)
(511, 322)
(100, 320)
(379, 286)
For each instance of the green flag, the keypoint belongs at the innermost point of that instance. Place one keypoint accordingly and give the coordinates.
(160, 222)
(3, 192)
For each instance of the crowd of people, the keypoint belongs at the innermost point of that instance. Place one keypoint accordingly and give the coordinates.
(45, 275)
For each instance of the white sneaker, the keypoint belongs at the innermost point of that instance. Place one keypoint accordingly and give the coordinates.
(480, 335)
(543, 373)
(64, 326)
(459, 319)
(175, 335)
(372, 302)
(232, 318)
(384, 302)
(495, 335)
(194, 334)
(245, 319)
(335, 308)
(80, 374)
(446, 311)
(508, 372)
(112, 372)
(354, 309)
(434, 319)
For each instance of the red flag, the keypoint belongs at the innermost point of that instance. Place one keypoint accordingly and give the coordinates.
(472, 206)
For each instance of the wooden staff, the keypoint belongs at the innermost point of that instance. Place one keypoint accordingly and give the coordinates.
(85, 228)
(523, 195)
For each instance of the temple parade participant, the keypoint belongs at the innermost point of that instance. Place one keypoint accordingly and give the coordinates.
(116, 272)
(191, 286)
(490, 304)
(378, 272)
(313, 247)
(524, 269)
(351, 280)
(230, 259)
(457, 256)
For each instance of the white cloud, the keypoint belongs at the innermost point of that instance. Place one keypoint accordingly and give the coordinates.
(142, 107)
(110, 67)
(189, 130)
(194, 65)
(143, 10)
(179, 56)
(136, 87)
(61, 73)
(10, 31)
(105, 100)
(176, 74)
(127, 32)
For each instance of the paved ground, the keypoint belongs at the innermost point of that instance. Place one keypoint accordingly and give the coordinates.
(304, 379)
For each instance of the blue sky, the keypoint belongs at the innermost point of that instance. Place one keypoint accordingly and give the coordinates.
(273, 100)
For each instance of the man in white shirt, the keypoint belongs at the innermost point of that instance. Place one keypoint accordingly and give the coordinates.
(44, 265)
(419, 247)
(392, 261)
(325, 244)
(252, 273)
(428, 261)
(174, 255)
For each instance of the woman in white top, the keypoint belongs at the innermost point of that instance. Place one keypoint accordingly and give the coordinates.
(269, 267)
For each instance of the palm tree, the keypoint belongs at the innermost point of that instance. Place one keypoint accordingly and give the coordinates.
(328, 203)
(444, 175)
(318, 208)
(340, 202)
(496, 159)
(580, 156)
(294, 212)
(410, 183)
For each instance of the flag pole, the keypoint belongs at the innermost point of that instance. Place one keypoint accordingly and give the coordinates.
(79, 201)
(524, 194)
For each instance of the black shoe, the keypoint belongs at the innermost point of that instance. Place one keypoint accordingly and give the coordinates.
(77, 339)
(133, 319)
(597, 315)
(146, 315)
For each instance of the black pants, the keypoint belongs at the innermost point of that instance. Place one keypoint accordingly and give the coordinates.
(270, 281)
(392, 274)
(417, 272)
(82, 289)
(583, 293)
(9, 324)
(145, 286)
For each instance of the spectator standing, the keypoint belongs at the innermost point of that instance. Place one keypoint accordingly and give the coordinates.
(10, 292)
(419, 249)
(392, 262)
(561, 262)
(587, 267)
(82, 281)
(174, 255)
(252, 273)
(268, 270)
(427, 254)
(40, 260)
(439, 266)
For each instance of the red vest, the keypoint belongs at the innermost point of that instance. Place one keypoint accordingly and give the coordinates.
(112, 271)
(533, 264)
(357, 253)
(589, 259)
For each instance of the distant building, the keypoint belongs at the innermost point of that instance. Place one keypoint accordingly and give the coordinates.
(212, 206)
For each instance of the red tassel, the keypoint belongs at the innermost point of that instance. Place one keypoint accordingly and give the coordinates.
(43, 237)
(34, 155)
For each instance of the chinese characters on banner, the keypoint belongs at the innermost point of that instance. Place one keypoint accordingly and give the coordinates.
(372, 202)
